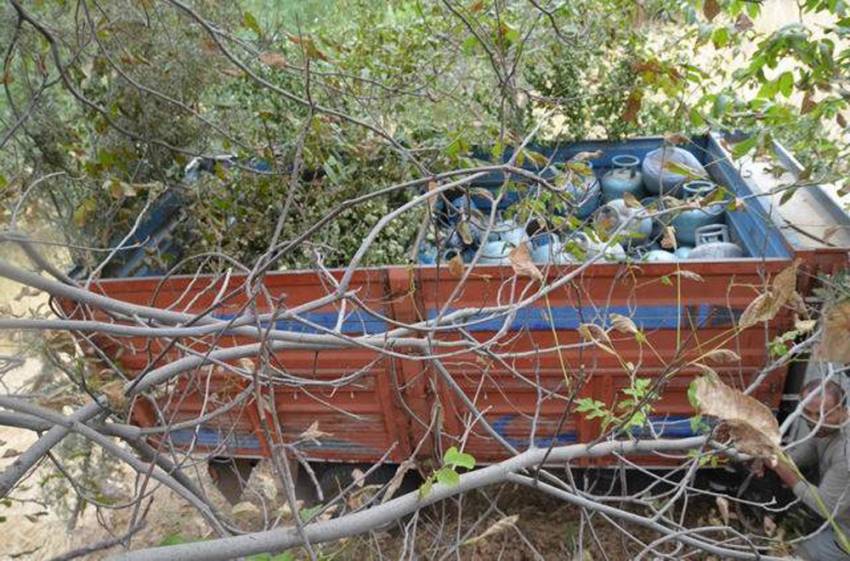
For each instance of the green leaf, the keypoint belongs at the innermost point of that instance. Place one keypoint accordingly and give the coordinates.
(447, 476)
(692, 395)
(285, 556)
(453, 457)
(595, 409)
(684, 170)
(785, 83)
(696, 117)
(768, 89)
(85, 211)
(510, 34)
(250, 22)
(307, 513)
(720, 37)
(720, 104)
(174, 539)
(786, 195)
(426, 487)
(743, 147)
(696, 423)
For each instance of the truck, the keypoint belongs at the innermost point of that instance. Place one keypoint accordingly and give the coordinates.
(521, 368)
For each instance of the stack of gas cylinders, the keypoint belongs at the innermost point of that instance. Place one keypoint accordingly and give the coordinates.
(650, 210)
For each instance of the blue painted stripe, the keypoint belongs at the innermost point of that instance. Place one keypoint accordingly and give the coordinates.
(502, 424)
(570, 317)
(356, 322)
(212, 438)
(669, 426)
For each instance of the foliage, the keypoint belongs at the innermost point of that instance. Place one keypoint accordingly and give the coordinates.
(159, 89)
(629, 414)
(492, 69)
(750, 424)
(448, 475)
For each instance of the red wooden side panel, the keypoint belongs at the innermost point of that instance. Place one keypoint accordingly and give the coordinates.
(682, 317)
(231, 433)
(366, 403)
(348, 391)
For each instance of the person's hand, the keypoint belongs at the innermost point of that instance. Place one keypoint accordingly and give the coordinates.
(786, 472)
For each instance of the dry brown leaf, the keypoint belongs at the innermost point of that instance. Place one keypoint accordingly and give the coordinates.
(805, 325)
(668, 239)
(114, 392)
(705, 369)
(623, 324)
(522, 264)
(58, 401)
(722, 356)
(313, 432)
(233, 71)
(797, 304)
(808, 105)
(465, 232)
(743, 23)
(759, 310)
(769, 526)
(835, 342)
(690, 275)
(273, 59)
(496, 528)
(61, 342)
(676, 138)
(395, 482)
(631, 201)
(598, 336)
(10, 453)
(632, 108)
(710, 9)
(584, 156)
(785, 283)
(766, 305)
(285, 511)
(432, 199)
(750, 423)
(245, 510)
(246, 364)
(723, 508)
(456, 266)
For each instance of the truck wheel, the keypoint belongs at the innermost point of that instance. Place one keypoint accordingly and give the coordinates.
(336, 477)
(229, 475)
